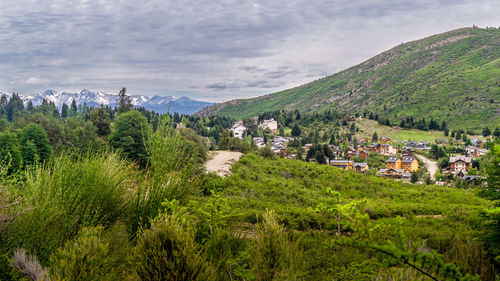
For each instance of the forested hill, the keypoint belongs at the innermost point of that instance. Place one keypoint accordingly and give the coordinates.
(453, 76)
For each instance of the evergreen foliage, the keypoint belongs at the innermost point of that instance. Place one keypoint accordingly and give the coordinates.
(35, 144)
(130, 136)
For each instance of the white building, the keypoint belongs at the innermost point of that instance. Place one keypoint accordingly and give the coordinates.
(270, 124)
(238, 130)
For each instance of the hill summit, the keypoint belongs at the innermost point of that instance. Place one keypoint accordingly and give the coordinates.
(453, 76)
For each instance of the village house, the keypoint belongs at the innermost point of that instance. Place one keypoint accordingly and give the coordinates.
(409, 164)
(393, 163)
(351, 151)
(338, 151)
(360, 167)
(460, 162)
(373, 147)
(363, 154)
(473, 179)
(417, 146)
(407, 153)
(476, 151)
(385, 140)
(238, 129)
(476, 142)
(394, 174)
(342, 164)
(270, 124)
(307, 146)
(387, 149)
(279, 149)
(362, 140)
(280, 139)
(259, 141)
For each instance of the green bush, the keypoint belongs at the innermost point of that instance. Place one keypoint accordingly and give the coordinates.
(86, 258)
(130, 136)
(10, 154)
(172, 174)
(168, 251)
(35, 146)
(69, 194)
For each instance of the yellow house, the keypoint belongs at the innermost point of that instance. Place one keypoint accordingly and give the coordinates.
(360, 167)
(385, 140)
(393, 163)
(409, 164)
(393, 174)
(342, 164)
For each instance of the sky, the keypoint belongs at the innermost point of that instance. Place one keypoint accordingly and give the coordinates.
(207, 49)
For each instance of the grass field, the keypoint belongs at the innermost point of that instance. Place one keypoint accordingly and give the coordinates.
(368, 127)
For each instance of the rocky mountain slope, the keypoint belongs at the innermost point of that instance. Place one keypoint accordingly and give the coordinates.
(160, 104)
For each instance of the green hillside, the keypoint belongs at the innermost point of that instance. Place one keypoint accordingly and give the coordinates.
(454, 76)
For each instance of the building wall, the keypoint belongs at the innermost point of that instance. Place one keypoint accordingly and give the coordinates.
(410, 167)
(394, 165)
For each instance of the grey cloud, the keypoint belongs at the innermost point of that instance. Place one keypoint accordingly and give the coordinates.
(255, 47)
(263, 84)
(280, 73)
(222, 86)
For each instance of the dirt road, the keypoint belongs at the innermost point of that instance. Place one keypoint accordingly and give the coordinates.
(221, 162)
(431, 165)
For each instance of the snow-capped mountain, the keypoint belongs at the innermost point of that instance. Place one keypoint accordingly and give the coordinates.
(160, 104)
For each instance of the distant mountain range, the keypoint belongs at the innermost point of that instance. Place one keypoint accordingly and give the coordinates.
(452, 77)
(160, 104)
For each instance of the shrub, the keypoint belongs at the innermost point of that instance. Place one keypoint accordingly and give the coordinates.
(168, 251)
(274, 255)
(172, 174)
(84, 259)
(35, 146)
(61, 199)
(10, 154)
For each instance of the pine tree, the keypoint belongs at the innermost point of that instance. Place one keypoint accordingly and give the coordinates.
(124, 101)
(64, 111)
(486, 132)
(73, 108)
(296, 131)
(414, 178)
(130, 136)
(375, 137)
(30, 106)
(100, 118)
(14, 106)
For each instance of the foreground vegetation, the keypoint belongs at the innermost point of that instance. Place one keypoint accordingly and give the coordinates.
(126, 198)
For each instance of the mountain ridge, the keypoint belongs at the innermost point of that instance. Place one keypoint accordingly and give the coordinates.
(160, 104)
(451, 76)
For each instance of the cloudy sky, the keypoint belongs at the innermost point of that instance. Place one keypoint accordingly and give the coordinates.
(208, 49)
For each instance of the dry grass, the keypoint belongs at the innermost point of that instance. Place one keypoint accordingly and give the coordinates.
(28, 265)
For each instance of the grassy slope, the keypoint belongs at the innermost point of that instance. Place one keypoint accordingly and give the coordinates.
(451, 76)
(290, 187)
(368, 127)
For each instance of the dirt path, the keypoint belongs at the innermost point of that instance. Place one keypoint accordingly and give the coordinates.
(431, 165)
(221, 162)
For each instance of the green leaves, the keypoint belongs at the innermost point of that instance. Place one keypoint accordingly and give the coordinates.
(130, 136)
(86, 258)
